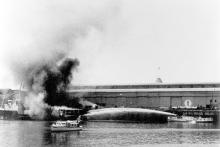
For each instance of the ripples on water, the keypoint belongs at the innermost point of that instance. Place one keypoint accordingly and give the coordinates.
(99, 134)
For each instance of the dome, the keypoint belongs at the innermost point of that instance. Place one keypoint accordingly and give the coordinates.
(158, 80)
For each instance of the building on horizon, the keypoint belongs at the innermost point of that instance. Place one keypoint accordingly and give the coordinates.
(154, 96)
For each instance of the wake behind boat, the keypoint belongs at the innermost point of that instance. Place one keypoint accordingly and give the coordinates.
(60, 126)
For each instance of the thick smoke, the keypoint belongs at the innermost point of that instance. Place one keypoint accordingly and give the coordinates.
(47, 85)
(47, 39)
(56, 84)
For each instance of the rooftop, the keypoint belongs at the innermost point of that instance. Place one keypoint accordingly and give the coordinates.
(170, 86)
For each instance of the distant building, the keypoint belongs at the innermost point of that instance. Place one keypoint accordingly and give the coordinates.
(155, 96)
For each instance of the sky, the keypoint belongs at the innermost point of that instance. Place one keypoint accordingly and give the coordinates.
(116, 41)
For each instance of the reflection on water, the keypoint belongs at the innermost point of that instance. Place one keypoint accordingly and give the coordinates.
(36, 133)
(59, 138)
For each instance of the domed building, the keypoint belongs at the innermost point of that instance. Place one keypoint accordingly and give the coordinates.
(155, 96)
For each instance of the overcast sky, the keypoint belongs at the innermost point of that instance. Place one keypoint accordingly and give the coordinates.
(116, 41)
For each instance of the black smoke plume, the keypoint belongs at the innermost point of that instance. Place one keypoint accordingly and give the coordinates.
(53, 81)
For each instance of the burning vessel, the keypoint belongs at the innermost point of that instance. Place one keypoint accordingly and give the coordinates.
(8, 111)
(45, 89)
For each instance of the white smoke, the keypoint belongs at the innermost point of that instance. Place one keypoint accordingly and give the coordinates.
(44, 31)
(34, 101)
(35, 105)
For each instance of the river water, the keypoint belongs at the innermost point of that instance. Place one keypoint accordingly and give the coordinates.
(106, 134)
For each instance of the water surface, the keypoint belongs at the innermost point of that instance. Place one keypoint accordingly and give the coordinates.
(99, 134)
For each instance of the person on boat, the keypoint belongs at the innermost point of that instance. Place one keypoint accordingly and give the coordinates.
(78, 120)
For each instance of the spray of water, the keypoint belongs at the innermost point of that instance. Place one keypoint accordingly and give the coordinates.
(128, 114)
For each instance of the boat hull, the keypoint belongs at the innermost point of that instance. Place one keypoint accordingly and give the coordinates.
(205, 120)
(190, 119)
(181, 119)
(8, 114)
(64, 129)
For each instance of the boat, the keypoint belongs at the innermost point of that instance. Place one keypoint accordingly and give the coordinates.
(9, 104)
(204, 119)
(181, 119)
(190, 119)
(61, 126)
(9, 110)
